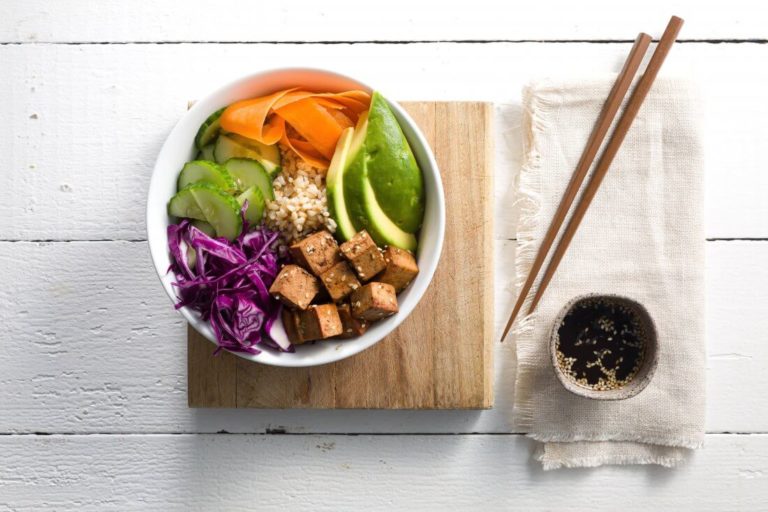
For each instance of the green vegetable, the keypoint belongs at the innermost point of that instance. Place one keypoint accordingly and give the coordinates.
(335, 186)
(184, 205)
(203, 201)
(209, 129)
(204, 227)
(206, 153)
(247, 173)
(392, 169)
(255, 211)
(231, 145)
(208, 172)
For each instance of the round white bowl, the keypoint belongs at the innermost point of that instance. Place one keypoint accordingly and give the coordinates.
(179, 148)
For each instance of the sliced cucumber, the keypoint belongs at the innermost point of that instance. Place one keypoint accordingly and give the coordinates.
(209, 129)
(231, 145)
(206, 153)
(247, 173)
(208, 172)
(255, 211)
(184, 205)
(204, 227)
(220, 209)
(203, 201)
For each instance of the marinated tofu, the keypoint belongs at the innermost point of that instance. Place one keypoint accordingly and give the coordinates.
(363, 255)
(316, 253)
(339, 281)
(401, 268)
(350, 325)
(319, 322)
(291, 325)
(295, 287)
(374, 301)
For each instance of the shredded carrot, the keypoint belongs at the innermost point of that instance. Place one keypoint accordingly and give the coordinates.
(318, 118)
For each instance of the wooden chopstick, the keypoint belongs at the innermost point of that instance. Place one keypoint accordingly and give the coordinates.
(604, 121)
(614, 143)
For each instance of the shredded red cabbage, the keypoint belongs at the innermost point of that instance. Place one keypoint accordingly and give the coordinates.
(228, 282)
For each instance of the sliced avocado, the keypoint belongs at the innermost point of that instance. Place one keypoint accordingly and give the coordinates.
(335, 186)
(354, 188)
(392, 169)
(360, 200)
(383, 230)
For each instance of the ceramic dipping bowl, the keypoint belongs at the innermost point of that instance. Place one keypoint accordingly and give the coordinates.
(609, 335)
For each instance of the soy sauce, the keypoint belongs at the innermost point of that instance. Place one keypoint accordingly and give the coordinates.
(601, 344)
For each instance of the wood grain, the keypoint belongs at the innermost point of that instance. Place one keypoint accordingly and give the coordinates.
(59, 168)
(403, 20)
(212, 380)
(433, 360)
(339, 473)
(97, 347)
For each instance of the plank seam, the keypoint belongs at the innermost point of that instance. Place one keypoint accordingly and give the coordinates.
(383, 41)
(280, 432)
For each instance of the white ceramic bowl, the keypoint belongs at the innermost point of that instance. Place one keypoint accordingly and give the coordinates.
(179, 148)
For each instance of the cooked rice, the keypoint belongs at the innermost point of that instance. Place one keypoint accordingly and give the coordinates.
(292, 164)
(300, 206)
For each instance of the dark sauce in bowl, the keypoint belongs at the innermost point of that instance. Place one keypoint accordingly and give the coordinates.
(601, 344)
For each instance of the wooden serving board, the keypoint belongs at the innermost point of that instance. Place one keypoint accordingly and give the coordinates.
(441, 356)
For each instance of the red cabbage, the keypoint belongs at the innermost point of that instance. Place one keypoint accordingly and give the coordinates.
(228, 284)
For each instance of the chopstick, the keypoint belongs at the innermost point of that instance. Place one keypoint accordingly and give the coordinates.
(614, 143)
(604, 121)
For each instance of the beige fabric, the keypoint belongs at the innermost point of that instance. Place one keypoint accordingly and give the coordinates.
(642, 238)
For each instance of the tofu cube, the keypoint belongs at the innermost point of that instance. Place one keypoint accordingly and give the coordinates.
(319, 322)
(339, 281)
(374, 301)
(401, 268)
(291, 324)
(350, 325)
(294, 287)
(316, 253)
(363, 255)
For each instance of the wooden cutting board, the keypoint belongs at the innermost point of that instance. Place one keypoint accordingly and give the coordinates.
(441, 356)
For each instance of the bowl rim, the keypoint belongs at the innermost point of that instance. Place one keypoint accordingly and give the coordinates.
(648, 366)
(426, 273)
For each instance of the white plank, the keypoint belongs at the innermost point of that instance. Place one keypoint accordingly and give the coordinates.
(83, 124)
(92, 344)
(399, 20)
(337, 473)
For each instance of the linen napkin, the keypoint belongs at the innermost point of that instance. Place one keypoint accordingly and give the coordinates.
(642, 238)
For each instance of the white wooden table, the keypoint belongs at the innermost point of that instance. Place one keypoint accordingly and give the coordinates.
(93, 411)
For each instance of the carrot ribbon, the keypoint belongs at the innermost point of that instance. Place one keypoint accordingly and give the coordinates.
(318, 119)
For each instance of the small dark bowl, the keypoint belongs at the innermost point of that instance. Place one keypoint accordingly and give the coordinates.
(647, 366)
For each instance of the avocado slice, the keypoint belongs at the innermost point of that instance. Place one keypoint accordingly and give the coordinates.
(334, 181)
(381, 228)
(392, 169)
(359, 198)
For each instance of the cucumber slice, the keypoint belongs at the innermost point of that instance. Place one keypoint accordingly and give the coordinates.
(255, 211)
(231, 145)
(247, 173)
(209, 129)
(184, 205)
(206, 153)
(204, 227)
(208, 172)
(220, 209)
(203, 201)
